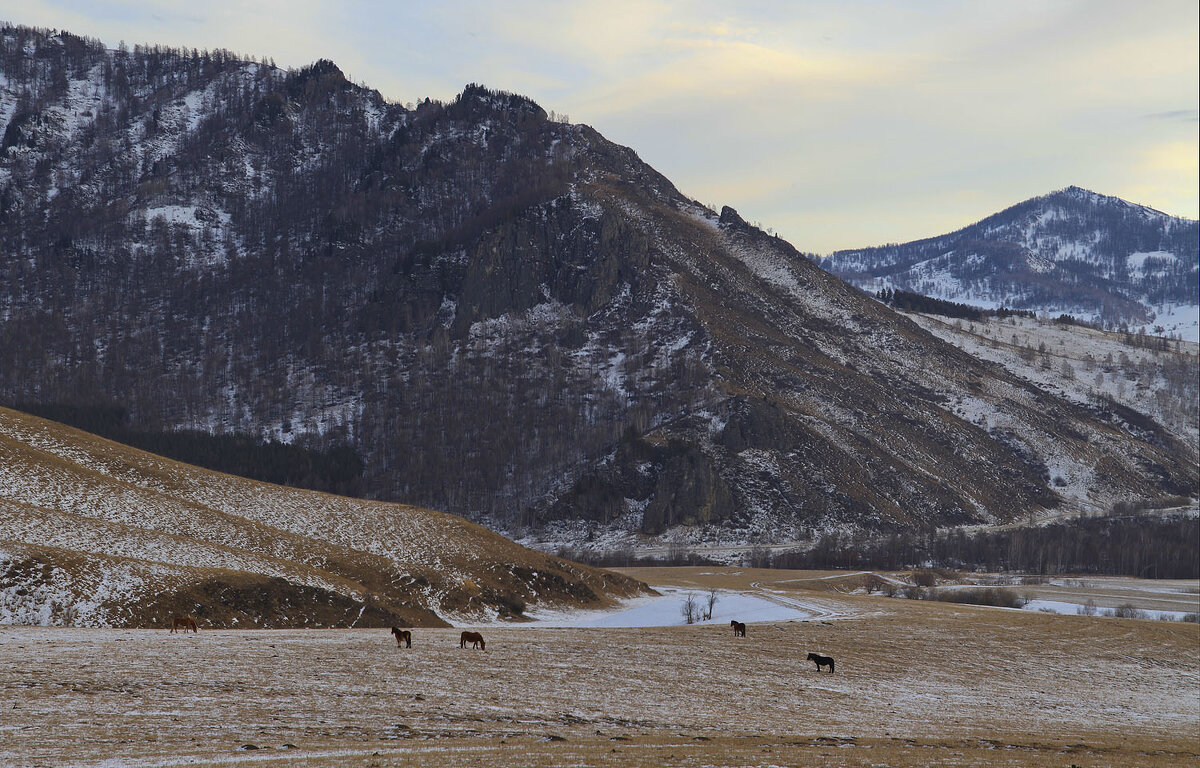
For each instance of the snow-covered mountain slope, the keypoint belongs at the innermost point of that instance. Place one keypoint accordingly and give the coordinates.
(1074, 252)
(95, 533)
(505, 316)
(1143, 378)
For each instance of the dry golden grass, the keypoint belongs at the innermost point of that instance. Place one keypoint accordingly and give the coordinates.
(917, 684)
(170, 538)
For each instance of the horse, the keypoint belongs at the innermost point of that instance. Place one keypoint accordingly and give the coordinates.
(402, 636)
(187, 622)
(474, 638)
(821, 661)
(739, 629)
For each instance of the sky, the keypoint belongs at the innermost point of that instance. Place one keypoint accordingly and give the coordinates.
(835, 124)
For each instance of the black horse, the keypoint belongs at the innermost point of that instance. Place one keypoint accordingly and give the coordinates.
(821, 661)
(739, 629)
(402, 636)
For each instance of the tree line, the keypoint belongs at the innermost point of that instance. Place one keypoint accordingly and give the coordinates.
(337, 469)
(916, 302)
(1130, 542)
(1130, 545)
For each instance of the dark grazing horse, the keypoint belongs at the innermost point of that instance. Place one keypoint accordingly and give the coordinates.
(739, 629)
(187, 622)
(821, 661)
(402, 636)
(474, 638)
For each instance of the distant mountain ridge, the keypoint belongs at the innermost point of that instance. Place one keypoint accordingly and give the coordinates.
(505, 316)
(1073, 251)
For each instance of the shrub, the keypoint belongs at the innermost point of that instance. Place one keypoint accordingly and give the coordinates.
(913, 592)
(995, 596)
(873, 583)
(1192, 617)
(1127, 611)
(511, 604)
(924, 577)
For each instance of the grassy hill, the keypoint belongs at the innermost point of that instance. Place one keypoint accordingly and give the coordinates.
(95, 533)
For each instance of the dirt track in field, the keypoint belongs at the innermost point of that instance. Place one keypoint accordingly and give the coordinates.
(916, 684)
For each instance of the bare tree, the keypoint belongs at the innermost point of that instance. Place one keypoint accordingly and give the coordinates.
(712, 600)
(690, 609)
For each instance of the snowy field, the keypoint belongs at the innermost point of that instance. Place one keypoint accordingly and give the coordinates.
(1057, 606)
(666, 610)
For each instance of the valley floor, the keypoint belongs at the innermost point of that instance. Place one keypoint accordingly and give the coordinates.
(917, 683)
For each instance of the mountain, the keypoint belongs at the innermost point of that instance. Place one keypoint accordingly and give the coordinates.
(501, 315)
(1073, 252)
(93, 533)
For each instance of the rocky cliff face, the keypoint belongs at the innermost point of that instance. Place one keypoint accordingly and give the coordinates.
(508, 317)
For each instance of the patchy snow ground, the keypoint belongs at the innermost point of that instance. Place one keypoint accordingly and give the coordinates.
(1071, 609)
(1018, 688)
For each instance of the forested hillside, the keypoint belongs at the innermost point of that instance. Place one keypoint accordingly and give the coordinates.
(501, 315)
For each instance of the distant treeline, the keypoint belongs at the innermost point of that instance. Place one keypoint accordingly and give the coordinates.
(334, 470)
(1150, 546)
(1137, 544)
(915, 302)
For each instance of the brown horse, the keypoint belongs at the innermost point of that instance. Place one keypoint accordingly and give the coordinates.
(402, 636)
(187, 622)
(821, 661)
(474, 638)
(739, 629)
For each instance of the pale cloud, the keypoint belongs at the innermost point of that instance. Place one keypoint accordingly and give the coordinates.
(1186, 115)
(1174, 157)
(1164, 176)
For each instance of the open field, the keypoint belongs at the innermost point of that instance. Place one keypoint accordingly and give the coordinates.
(917, 683)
